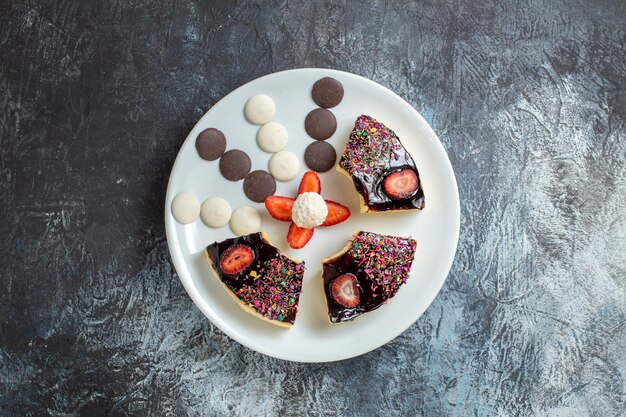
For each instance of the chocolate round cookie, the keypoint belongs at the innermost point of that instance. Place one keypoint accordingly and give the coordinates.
(258, 185)
(320, 124)
(235, 165)
(210, 144)
(327, 92)
(320, 156)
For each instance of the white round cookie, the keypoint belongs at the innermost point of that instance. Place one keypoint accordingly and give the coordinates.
(185, 208)
(284, 165)
(215, 212)
(272, 137)
(245, 220)
(260, 109)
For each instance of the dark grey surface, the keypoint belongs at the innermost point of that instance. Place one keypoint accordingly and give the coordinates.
(528, 99)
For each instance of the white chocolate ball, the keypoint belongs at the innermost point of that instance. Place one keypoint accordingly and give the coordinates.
(309, 210)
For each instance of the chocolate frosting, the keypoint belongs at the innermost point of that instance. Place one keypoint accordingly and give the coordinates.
(380, 263)
(372, 153)
(270, 285)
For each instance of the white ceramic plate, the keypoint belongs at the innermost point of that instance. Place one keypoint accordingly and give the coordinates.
(436, 228)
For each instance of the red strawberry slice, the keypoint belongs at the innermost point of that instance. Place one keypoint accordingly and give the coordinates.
(279, 207)
(310, 183)
(345, 290)
(401, 184)
(298, 237)
(336, 213)
(236, 258)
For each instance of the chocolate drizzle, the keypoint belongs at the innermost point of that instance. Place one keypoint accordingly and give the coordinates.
(381, 265)
(271, 285)
(373, 152)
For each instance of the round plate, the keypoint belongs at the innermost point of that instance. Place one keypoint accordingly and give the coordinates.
(313, 338)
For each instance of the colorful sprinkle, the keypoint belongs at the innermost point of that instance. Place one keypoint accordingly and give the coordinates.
(272, 288)
(384, 262)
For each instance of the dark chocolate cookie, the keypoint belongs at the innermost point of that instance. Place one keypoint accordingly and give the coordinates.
(210, 144)
(320, 124)
(258, 185)
(235, 165)
(327, 92)
(320, 156)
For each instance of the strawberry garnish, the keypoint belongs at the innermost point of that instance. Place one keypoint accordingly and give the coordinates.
(336, 213)
(310, 183)
(236, 258)
(345, 291)
(401, 184)
(279, 207)
(297, 237)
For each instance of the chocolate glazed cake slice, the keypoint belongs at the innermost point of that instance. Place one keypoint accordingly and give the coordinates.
(383, 171)
(365, 274)
(264, 282)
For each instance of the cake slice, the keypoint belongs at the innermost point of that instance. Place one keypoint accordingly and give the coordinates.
(383, 171)
(264, 282)
(366, 273)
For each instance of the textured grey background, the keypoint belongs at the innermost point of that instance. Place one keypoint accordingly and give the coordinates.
(528, 98)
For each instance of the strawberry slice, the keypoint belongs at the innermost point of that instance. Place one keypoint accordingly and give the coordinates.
(345, 291)
(401, 184)
(310, 183)
(336, 213)
(236, 258)
(298, 237)
(279, 207)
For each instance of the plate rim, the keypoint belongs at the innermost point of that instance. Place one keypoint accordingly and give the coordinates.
(201, 303)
